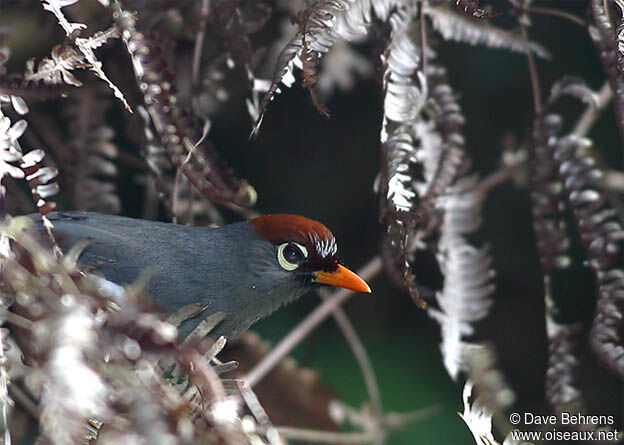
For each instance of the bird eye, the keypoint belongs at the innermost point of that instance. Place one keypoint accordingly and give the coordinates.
(289, 255)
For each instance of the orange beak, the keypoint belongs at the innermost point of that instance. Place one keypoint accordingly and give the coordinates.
(343, 277)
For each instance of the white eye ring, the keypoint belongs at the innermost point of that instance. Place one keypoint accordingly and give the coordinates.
(287, 265)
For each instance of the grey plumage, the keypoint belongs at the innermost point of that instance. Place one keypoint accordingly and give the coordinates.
(229, 269)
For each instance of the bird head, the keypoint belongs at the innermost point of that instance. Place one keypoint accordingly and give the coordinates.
(303, 253)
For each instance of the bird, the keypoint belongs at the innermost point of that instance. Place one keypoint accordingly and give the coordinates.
(245, 269)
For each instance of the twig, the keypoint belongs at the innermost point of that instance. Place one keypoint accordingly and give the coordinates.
(552, 12)
(343, 413)
(584, 125)
(393, 421)
(399, 420)
(366, 366)
(301, 331)
(179, 171)
(590, 115)
(613, 181)
(15, 319)
(176, 187)
(605, 5)
(317, 436)
(423, 40)
(537, 97)
(497, 178)
(25, 401)
(5, 401)
(199, 44)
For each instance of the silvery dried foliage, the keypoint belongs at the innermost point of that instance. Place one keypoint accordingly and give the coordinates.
(99, 372)
(93, 362)
(423, 152)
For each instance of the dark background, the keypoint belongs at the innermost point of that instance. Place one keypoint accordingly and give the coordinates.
(325, 168)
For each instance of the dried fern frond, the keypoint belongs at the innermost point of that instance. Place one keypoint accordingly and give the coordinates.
(405, 96)
(562, 376)
(86, 45)
(466, 295)
(40, 179)
(620, 36)
(574, 87)
(461, 28)
(549, 227)
(93, 171)
(112, 350)
(158, 182)
(449, 121)
(421, 107)
(403, 134)
(485, 372)
(197, 159)
(321, 24)
(602, 237)
(57, 69)
(311, 20)
(10, 151)
(191, 208)
(549, 204)
(6, 403)
(233, 30)
(424, 144)
(18, 86)
(233, 27)
(546, 197)
(423, 154)
(477, 417)
(603, 35)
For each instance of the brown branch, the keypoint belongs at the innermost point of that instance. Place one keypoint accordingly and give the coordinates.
(363, 359)
(535, 85)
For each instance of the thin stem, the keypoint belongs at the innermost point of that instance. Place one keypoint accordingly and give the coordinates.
(316, 436)
(366, 366)
(303, 329)
(605, 5)
(591, 113)
(393, 421)
(556, 13)
(496, 178)
(5, 401)
(15, 319)
(178, 178)
(583, 126)
(25, 401)
(199, 45)
(537, 97)
(423, 39)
